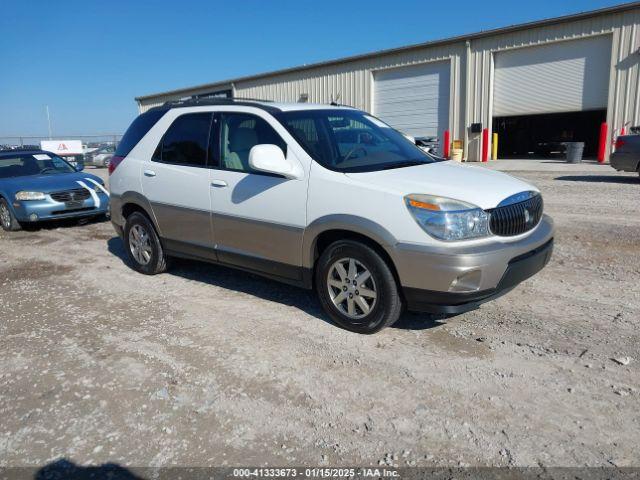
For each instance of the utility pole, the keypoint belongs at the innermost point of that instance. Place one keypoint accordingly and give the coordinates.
(48, 121)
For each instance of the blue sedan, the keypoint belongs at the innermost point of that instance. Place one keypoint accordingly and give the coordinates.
(36, 185)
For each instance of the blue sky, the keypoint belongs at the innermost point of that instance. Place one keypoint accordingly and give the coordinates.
(88, 59)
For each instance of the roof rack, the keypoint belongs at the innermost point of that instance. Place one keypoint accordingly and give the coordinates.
(197, 102)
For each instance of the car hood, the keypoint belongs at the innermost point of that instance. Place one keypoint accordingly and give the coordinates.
(473, 184)
(46, 183)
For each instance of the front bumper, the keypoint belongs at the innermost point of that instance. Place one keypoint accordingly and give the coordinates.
(429, 276)
(49, 209)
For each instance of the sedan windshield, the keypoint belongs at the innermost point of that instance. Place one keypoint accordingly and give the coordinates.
(26, 164)
(351, 141)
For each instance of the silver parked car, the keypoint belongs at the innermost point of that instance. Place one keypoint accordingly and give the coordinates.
(626, 158)
(101, 157)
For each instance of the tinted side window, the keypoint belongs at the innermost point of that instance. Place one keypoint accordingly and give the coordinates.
(186, 141)
(137, 130)
(239, 132)
(305, 131)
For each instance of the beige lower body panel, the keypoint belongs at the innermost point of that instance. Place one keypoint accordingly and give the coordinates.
(426, 268)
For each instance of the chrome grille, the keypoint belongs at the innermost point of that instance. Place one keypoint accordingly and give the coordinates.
(516, 218)
(74, 195)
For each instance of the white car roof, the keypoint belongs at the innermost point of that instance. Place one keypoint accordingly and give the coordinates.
(265, 105)
(289, 107)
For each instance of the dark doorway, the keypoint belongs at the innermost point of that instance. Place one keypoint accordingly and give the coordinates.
(541, 136)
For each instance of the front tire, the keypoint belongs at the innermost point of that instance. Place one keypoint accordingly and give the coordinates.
(356, 287)
(142, 244)
(8, 220)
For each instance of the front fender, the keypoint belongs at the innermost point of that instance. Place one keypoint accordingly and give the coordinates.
(351, 223)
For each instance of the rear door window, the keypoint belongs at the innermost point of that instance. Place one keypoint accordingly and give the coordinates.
(186, 142)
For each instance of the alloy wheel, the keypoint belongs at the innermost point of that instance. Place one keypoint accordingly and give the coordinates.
(352, 288)
(140, 244)
(5, 216)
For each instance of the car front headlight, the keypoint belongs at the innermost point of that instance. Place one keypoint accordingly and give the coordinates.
(30, 195)
(448, 219)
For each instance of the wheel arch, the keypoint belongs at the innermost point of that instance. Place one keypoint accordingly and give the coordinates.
(6, 197)
(130, 202)
(324, 231)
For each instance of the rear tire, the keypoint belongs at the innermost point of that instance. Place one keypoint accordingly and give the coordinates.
(8, 220)
(143, 246)
(357, 288)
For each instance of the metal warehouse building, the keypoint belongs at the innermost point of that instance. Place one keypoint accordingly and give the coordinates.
(533, 84)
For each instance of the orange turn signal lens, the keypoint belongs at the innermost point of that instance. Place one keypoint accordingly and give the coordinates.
(423, 205)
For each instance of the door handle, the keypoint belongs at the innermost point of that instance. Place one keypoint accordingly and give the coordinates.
(149, 173)
(219, 183)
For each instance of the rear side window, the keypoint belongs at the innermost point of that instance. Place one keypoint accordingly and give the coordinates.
(137, 130)
(186, 141)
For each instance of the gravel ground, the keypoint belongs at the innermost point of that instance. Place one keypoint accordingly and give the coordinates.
(209, 366)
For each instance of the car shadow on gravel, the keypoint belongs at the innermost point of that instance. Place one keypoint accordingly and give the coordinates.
(67, 470)
(264, 288)
(601, 179)
(62, 223)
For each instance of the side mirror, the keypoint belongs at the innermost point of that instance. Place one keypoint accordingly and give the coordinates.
(79, 167)
(269, 158)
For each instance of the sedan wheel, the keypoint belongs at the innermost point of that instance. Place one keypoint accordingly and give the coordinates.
(5, 216)
(7, 221)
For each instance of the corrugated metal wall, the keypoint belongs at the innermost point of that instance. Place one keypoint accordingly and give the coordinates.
(551, 77)
(351, 83)
(623, 103)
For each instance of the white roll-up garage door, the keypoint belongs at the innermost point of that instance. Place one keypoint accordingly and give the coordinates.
(565, 76)
(414, 100)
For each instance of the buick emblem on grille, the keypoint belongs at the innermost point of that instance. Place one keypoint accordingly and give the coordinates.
(516, 214)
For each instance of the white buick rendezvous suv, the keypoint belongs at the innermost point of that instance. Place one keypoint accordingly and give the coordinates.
(324, 197)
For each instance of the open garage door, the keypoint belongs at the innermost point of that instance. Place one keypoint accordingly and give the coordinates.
(415, 99)
(550, 94)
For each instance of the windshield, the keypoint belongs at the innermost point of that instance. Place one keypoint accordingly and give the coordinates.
(351, 141)
(25, 164)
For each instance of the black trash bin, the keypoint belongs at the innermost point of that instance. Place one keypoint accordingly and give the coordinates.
(573, 152)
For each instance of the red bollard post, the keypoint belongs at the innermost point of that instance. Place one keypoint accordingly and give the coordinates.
(485, 145)
(602, 145)
(447, 143)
